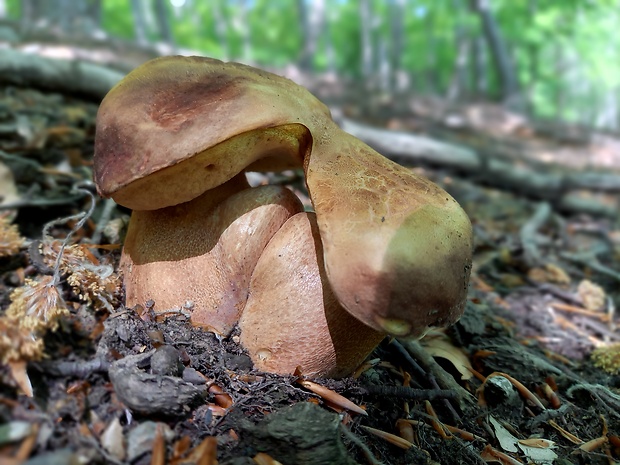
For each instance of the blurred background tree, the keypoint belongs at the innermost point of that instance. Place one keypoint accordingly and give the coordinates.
(546, 59)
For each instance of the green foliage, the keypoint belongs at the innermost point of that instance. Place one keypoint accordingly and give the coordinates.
(117, 18)
(13, 8)
(564, 52)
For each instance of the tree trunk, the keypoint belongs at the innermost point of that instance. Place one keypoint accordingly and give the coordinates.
(503, 63)
(94, 12)
(397, 28)
(246, 37)
(479, 70)
(384, 67)
(365, 12)
(560, 95)
(431, 73)
(162, 16)
(462, 42)
(77, 17)
(139, 24)
(312, 19)
(221, 28)
(330, 52)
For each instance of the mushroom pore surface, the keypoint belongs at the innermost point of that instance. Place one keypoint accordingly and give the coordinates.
(396, 247)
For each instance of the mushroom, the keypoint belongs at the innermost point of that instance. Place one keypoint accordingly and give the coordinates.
(173, 139)
(289, 289)
(204, 251)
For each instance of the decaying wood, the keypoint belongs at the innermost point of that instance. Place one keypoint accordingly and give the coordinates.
(67, 76)
(554, 184)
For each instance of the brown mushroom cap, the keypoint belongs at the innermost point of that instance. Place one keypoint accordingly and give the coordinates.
(168, 116)
(289, 289)
(397, 248)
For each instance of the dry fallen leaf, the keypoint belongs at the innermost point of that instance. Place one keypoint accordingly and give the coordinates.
(113, 439)
(20, 376)
(592, 295)
(549, 273)
(440, 345)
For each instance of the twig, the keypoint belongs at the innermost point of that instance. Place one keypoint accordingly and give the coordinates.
(608, 401)
(359, 443)
(77, 368)
(445, 381)
(605, 332)
(418, 371)
(555, 291)
(528, 234)
(108, 208)
(589, 260)
(40, 203)
(82, 217)
(408, 393)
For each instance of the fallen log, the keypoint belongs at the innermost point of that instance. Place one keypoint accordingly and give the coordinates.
(554, 184)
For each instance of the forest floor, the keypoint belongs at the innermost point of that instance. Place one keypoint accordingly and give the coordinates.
(514, 381)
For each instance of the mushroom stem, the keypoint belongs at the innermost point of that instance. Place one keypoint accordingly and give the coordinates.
(204, 251)
(289, 289)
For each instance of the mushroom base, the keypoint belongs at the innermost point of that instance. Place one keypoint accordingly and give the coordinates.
(292, 318)
(204, 251)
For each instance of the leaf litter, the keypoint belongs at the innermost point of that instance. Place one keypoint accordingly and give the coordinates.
(85, 378)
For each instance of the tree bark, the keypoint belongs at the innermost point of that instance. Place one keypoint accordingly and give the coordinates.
(503, 63)
(312, 19)
(162, 16)
(139, 24)
(365, 12)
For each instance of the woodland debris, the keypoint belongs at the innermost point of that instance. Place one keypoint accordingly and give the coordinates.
(149, 393)
(303, 434)
(72, 77)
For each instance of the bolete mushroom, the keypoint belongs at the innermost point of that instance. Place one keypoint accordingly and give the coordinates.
(391, 248)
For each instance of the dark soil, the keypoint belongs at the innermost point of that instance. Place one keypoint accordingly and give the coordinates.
(125, 385)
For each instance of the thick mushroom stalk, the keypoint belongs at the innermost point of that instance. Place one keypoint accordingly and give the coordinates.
(396, 247)
(289, 289)
(204, 251)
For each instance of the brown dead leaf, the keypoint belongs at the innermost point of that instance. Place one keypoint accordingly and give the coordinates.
(20, 376)
(441, 346)
(592, 295)
(549, 273)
